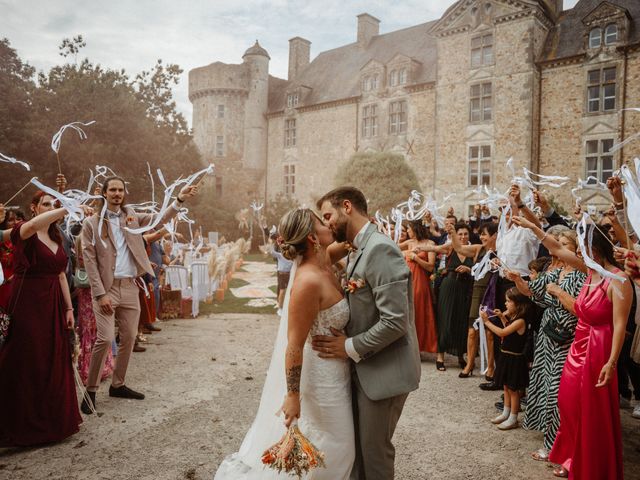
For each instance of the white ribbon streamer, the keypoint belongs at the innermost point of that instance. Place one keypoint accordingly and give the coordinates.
(57, 138)
(631, 189)
(6, 159)
(478, 324)
(584, 229)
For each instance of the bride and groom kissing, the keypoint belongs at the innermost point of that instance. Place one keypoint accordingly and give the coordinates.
(345, 357)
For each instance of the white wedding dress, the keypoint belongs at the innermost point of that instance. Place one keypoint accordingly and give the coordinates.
(326, 416)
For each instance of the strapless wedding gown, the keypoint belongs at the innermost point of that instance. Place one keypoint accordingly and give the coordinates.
(326, 416)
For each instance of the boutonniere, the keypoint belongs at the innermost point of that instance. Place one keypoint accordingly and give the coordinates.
(130, 220)
(351, 285)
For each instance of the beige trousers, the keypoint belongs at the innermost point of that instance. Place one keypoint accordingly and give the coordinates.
(126, 307)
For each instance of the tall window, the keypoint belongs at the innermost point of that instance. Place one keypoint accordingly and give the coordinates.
(220, 111)
(479, 166)
(482, 50)
(290, 132)
(370, 121)
(398, 118)
(292, 100)
(595, 38)
(219, 146)
(365, 83)
(599, 160)
(611, 34)
(601, 90)
(373, 82)
(289, 179)
(393, 78)
(481, 108)
(402, 76)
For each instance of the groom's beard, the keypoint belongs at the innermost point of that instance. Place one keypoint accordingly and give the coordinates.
(340, 232)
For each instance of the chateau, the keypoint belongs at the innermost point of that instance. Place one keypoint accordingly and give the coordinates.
(456, 96)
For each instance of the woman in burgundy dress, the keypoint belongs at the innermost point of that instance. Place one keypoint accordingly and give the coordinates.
(589, 440)
(38, 400)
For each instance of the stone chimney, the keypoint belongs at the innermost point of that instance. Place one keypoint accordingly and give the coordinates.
(299, 55)
(368, 27)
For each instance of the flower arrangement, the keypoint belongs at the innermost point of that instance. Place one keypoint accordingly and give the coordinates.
(351, 285)
(294, 454)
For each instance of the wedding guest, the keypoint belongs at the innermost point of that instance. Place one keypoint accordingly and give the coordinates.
(454, 299)
(87, 323)
(511, 371)
(554, 290)
(38, 398)
(488, 232)
(113, 258)
(6, 257)
(421, 265)
(283, 270)
(516, 247)
(589, 441)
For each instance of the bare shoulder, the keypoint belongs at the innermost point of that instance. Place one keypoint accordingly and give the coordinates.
(307, 279)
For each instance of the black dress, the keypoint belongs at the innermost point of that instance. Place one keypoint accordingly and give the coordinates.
(511, 368)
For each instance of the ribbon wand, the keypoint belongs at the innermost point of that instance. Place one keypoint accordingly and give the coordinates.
(20, 191)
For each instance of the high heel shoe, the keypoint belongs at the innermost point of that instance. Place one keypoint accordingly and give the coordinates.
(466, 374)
(440, 366)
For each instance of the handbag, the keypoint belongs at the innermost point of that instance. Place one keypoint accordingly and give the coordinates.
(81, 278)
(557, 333)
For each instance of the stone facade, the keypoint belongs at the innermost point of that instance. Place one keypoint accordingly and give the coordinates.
(458, 96)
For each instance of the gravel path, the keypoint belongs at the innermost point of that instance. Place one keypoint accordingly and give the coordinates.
(203, 380)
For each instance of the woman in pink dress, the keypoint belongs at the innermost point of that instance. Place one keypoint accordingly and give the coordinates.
(589, 440)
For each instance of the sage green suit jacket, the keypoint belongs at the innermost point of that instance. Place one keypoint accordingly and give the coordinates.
(382, 321)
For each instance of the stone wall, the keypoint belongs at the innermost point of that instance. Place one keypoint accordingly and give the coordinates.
(325, 139)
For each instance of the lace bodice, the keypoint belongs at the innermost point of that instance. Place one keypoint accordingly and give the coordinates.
(336, 316)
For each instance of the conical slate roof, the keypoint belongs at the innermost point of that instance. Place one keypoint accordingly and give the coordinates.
(256, 50)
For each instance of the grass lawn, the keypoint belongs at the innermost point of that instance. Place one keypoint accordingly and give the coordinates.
(233, 304)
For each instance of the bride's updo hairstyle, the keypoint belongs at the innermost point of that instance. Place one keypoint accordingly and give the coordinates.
(294, 228)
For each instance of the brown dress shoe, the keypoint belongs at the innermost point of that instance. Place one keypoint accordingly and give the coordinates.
(138, 348)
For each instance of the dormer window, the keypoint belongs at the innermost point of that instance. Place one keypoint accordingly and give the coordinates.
(482, 50)
(611, 34)
(595, 38)
(402, 76)
(373, 82)
(393, 78)
(292, 100)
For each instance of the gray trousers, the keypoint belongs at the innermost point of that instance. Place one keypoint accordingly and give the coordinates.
(375, 422)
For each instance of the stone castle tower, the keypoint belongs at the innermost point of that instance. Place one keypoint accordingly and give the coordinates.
(230, 127)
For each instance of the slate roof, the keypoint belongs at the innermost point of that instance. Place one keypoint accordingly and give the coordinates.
(335, 74)
(566, 39)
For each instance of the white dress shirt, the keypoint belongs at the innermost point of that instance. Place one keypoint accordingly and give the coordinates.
(348, 344)
(516, 248)
(125, 263)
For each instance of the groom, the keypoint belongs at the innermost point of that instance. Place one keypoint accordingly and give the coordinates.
(381, 332)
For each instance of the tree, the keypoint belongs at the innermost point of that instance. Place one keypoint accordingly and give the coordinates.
(127, 134)
(278, 206)
(385, 178)
(17, 87)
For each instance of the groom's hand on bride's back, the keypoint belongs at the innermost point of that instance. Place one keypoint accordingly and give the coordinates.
(330, 346)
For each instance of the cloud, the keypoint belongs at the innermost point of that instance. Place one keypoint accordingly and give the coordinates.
(133, 35)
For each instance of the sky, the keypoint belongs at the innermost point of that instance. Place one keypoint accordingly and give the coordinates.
(134, 34)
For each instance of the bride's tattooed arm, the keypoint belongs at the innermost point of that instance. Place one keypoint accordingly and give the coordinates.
(304, 305)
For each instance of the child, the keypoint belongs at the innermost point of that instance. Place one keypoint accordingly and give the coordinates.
(538, 266)
(511, 370)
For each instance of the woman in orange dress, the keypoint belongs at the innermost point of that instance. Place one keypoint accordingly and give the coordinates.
(421, 265)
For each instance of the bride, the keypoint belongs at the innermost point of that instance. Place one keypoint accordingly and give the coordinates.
(316, 391)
